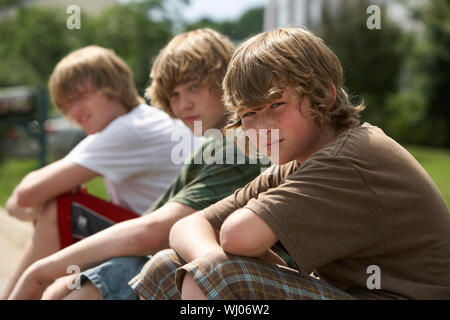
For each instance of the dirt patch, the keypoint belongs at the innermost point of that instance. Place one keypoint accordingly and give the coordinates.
(14, 235)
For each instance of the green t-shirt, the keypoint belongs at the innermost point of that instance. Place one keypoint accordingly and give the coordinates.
(207, 178)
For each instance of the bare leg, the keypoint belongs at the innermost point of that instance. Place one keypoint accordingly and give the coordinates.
(45, 241)
(190, 289)
(60, 288)
(87, 292)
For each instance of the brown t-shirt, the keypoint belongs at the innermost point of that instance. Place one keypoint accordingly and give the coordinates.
(360, 201)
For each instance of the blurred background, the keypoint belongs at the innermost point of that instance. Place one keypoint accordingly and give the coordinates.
(401, 70)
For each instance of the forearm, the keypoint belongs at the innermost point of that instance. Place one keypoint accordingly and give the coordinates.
(193, 237)
(137, 237)
(40, 186)
(22, 213)
(115, 241)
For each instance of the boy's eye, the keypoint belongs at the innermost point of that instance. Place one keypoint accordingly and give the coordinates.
(194, 86)
(248, 114)
(276, 105)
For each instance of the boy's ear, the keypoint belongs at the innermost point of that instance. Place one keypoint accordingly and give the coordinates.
(333, 92)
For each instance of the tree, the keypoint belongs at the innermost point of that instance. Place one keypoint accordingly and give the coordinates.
(134, 37)
(434, 65)
(249, 23)
(371, 58)
(34, 40)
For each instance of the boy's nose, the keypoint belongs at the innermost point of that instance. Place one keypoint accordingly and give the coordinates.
(265, 121)
(75, 111)
(186, 103)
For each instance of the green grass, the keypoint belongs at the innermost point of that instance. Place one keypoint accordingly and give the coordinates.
(13, 170)
(435, 161)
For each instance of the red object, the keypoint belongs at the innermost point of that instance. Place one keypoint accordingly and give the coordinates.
(107, 209)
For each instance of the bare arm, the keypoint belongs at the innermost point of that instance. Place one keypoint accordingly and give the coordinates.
(42, 185)
(242, 233)
(245, 233)
(137, 237)
(193, 237)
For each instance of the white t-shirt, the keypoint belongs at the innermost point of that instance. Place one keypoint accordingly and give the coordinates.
(133, 154)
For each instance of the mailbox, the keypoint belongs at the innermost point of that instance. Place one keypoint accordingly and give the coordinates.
(27, 107)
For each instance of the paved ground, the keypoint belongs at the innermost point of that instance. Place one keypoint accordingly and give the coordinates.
(13, 236)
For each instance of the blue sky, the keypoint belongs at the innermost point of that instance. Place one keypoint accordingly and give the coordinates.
(219, 9)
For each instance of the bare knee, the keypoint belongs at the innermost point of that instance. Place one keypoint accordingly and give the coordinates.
(190, 290)
(88, 291)
(60, 288)
(48, 217)
(50, 212)
(46, 226)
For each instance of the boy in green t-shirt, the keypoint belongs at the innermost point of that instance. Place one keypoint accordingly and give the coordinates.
(186, 83)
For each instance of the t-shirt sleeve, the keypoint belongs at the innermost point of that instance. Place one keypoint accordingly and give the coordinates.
(117, 152)
(321, 212)
(218, 212)
(214, 183)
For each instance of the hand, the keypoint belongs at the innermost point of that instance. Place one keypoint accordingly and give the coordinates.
(78, 189)
(29, 286)
(272, 257)
(22, 213)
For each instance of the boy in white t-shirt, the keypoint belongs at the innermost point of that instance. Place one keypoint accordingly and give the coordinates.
(129, 144)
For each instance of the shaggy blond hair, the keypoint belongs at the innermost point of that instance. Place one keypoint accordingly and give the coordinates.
(93, 68)
(265, 64)
(201, 54)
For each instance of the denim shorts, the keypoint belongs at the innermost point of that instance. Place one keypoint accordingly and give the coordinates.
(112, 276)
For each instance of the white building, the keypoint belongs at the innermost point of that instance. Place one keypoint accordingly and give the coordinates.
(280, 13)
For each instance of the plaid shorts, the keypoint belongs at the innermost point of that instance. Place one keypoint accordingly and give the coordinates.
(228, 277)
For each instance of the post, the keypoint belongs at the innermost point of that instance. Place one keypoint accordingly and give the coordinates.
(42, 117)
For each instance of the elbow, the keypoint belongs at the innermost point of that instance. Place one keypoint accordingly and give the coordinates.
(235, 241)
(176, 231)
(26, 197)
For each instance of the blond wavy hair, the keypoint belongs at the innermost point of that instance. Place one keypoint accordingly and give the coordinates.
(202, 54)
(93, 68)
(265, 64)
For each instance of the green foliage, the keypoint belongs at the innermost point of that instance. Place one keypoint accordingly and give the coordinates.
(31, 43)
(9, 3)
(250, 23)
(403, 76)
(372, 59)
(133, 36)
(433, 63)
(34, 40)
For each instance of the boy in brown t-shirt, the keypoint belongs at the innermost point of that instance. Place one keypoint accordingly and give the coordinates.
(346, 201)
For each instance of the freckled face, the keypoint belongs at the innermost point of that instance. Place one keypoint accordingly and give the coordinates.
(298, 134)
